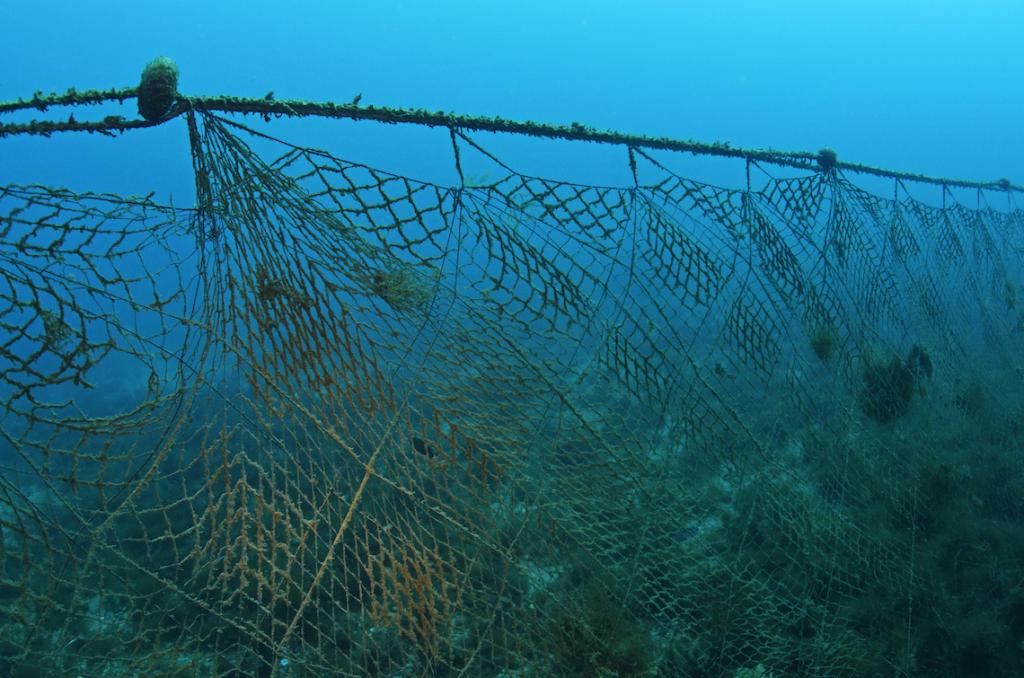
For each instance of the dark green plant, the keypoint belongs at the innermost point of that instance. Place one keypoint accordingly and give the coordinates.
(404, 286)
(823, 342)
(886, 390)
(56, 332)
(591, 633)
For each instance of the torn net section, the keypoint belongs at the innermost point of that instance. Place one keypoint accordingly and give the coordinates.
(338, 421)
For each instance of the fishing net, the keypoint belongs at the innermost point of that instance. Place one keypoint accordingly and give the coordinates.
(336, 421)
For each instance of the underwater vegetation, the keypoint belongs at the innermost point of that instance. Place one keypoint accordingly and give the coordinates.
(823, 342)
(888, 385)
(952, 494)
(888, 388)
(404, 286)
(589, 632)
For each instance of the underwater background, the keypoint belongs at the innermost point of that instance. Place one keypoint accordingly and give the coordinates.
(310, 395)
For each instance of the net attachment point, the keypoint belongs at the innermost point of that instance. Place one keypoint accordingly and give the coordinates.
(827, 160)
(158, 88)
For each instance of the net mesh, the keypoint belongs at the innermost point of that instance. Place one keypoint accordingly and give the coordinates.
(335, 421)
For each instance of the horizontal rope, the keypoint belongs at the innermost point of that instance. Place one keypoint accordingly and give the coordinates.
(267, 106)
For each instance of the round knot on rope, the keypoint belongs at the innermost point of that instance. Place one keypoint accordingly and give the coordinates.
(158, 88)
(827, 160)
(1004, 184)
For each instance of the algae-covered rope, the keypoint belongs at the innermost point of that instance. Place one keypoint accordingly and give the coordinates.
(159, 101)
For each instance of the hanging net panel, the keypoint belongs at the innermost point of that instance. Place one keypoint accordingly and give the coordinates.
(331, 420)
